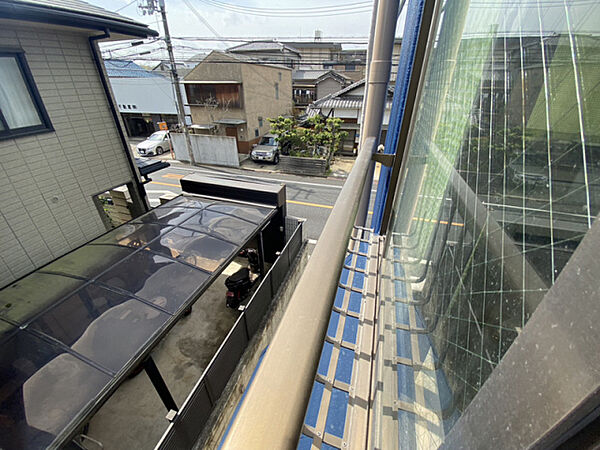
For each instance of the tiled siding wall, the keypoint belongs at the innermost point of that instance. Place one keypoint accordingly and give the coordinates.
(47, 181)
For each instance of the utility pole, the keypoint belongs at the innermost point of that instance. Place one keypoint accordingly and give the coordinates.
(180, 110)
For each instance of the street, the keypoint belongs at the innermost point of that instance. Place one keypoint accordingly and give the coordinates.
(308, 198)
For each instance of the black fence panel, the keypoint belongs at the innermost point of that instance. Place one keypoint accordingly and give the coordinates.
(226, 359)
(279, 269)
(258, 305)
(186, 429)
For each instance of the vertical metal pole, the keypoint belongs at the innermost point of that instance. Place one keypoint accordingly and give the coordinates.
(377, 85)
(180, 111)
(159, 384)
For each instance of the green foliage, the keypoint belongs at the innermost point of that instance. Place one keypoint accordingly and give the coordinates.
(322, 138)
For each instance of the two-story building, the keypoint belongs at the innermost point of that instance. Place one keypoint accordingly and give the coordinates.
(237, 95)
(61, 138)
(268, 51)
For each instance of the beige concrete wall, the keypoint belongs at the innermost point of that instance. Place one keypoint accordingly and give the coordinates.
(47, 180)
(259, 96)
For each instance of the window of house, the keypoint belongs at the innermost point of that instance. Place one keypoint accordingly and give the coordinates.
(277, 91)
(256, 132)
(279, 74)
(260, 122)
(21, 108)
(214, 95)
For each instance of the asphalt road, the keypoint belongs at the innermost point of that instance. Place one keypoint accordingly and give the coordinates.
(310, 198)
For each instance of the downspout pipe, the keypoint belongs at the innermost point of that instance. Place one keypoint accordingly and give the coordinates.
(377, 88)
(141, 192)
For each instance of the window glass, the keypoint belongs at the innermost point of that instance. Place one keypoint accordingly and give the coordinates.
(502, 182)
(16, 104)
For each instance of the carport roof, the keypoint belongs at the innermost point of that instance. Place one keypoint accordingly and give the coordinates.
(71, 331)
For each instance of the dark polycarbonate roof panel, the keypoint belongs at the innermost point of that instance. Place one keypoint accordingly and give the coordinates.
(104, 326)
(254, 214)
(89, 261)
(43, 389)
(191, 202)
(221, 226)
(31, 295)
(203, 251)
(70, 332)
(167, 215)
(134, 235)
(157, 279)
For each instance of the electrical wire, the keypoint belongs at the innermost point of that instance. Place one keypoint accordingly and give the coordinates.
(293, 10)
(123, 7)
(301, 13)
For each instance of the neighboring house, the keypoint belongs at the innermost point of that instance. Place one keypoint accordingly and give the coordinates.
(144, 98)
(183, 68)
(316, 54)
(311, 85)
(61, 139)
(347, 104)
(351, 64)
(268, 51)
(238, 95)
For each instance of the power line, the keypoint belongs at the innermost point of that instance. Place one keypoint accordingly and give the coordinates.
(202, 19)
(128, 4)
(300, 13)
(293, 10)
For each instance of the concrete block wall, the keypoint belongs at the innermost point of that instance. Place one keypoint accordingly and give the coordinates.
(207, 149)
(47, 180)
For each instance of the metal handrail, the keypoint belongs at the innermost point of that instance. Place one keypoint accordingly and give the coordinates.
(286, 374)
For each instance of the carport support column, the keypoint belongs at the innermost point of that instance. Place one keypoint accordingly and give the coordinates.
(159, 384)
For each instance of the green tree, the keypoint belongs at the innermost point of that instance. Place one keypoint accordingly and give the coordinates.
(322, 138)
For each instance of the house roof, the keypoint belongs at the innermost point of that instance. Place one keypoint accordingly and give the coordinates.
(301, 75)
(332, 74)
(263, 46)
(341, 99)
(300, 45)
(74, 13)
(223, 57)
(119, 68)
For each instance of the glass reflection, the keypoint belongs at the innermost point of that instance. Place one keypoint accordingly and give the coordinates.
(222, 226)
(157, 279)
(254, 214)
(133, 235)
(166, 215)
(31, 295)
(38, 399)
(88, 261)
(190, 202)
(106, 327)
(502, 182)
(193, 247)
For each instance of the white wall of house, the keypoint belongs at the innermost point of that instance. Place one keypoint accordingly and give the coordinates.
(144, 95)
(47, 180)
(207, 149)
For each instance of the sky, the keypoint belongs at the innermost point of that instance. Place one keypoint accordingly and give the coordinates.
(184, 23)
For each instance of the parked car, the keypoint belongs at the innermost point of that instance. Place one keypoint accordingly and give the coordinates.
(266, 149)
(156, 144)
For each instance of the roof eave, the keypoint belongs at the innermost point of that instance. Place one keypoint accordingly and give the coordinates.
(39, 13)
